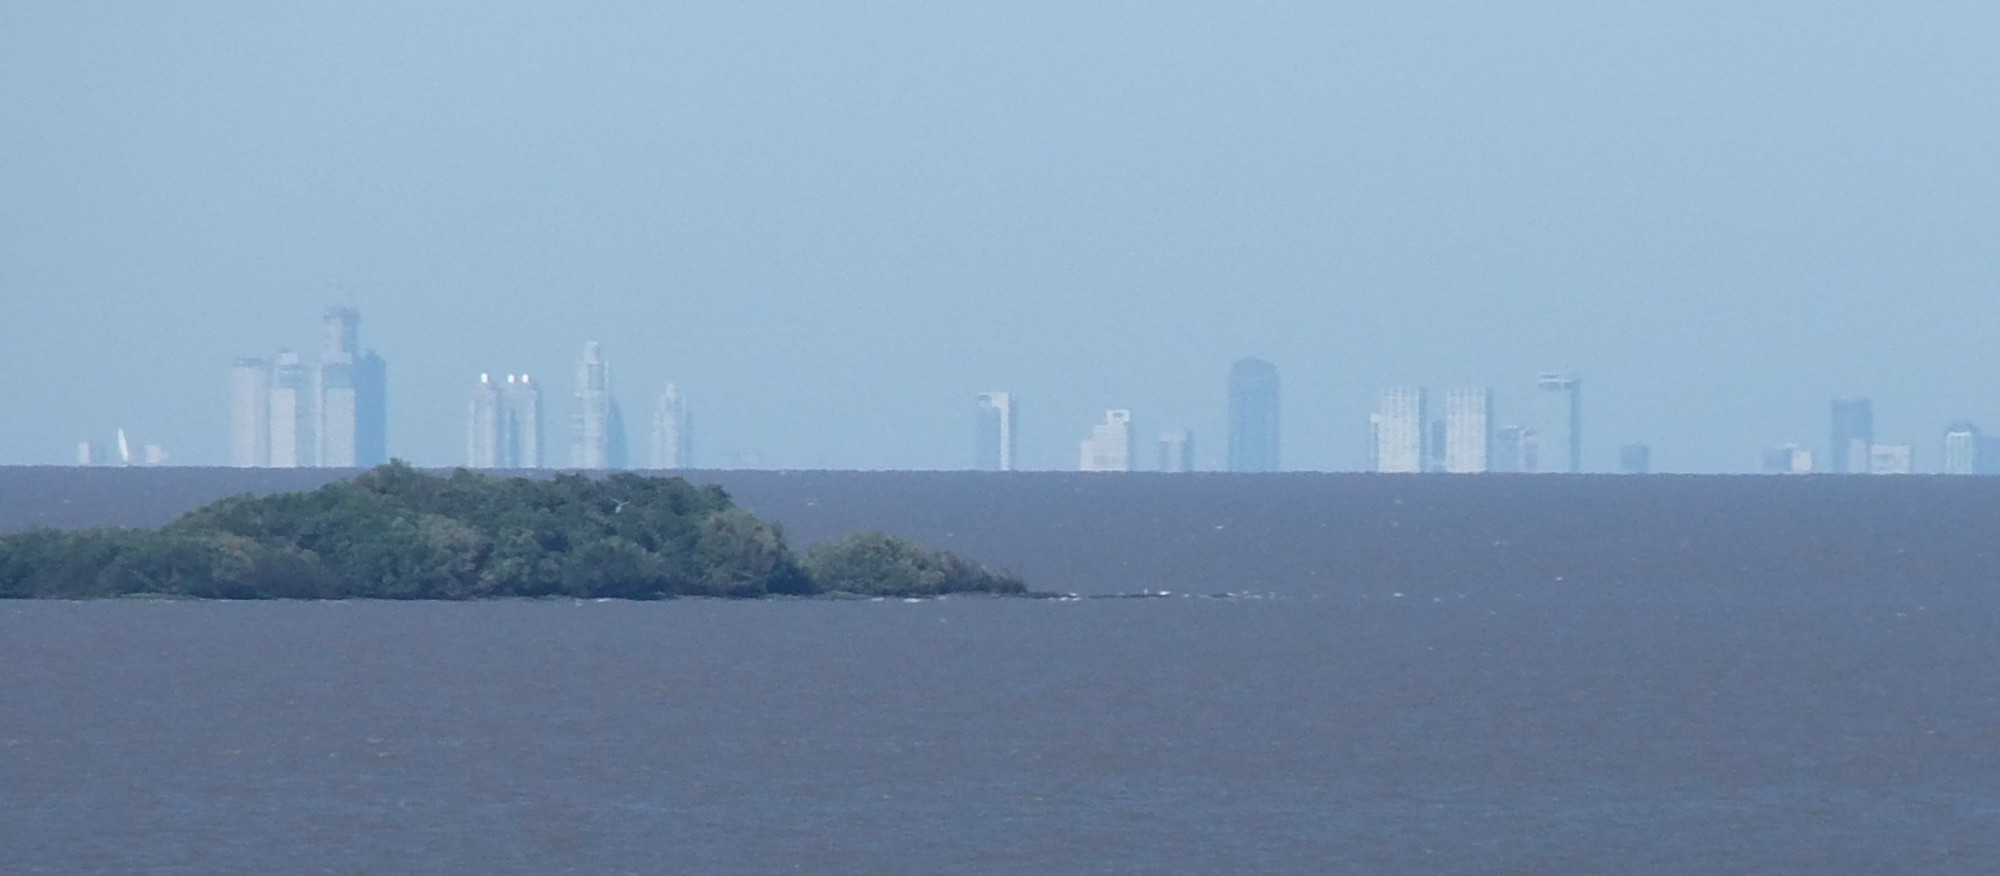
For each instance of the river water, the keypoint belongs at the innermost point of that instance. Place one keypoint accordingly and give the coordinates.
(1463, 730)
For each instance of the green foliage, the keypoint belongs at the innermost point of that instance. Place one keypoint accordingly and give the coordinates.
(399, 533)
(876, 563)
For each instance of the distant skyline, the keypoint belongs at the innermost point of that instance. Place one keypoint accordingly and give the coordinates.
(1720, 215)
(280, 415)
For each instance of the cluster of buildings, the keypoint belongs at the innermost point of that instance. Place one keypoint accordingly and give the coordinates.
(504, 422)
(1406, 432)
(286, 412)
(119, 452)
(1407, 435)
(1853, 449)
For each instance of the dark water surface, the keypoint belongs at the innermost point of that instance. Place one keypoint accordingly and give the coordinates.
(1460, 730)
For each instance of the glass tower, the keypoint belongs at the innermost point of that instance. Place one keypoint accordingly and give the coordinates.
(1253, 416)
(1559, 423)
(1853, 436)
(993, 432)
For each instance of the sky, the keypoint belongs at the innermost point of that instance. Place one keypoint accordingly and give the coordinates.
(832, 224)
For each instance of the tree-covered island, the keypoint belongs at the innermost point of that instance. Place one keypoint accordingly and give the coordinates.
(399, 533)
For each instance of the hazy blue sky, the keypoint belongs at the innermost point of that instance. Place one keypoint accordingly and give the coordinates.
(833, 223)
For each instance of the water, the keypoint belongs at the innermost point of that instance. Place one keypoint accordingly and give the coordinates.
(1455, 730)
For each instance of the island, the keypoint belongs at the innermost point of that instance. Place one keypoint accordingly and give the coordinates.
(397, 532)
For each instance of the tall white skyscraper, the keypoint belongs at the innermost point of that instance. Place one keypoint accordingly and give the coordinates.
(1961, 449)
(591, 432)
(291, 413)
(993, 433)
(350, 394)
(1400, 414)
(1559, 422)
(336, 398)
(1109, 447)
(1176, 451)
(484, 426)
(521, 423)
(1468, 430)
(670, 429)
(250, 413)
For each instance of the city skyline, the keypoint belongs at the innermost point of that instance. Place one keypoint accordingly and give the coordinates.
(1723, 215)
(270, 422)
(285, 411)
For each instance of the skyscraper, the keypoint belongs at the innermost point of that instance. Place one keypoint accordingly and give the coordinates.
(250, 413)
(1513, 449)
(1961, 448)
(1109, 447)
(592, 428)
(617, 451)
(1400, 415)
(1176, 451)
(670, 429)
(1559, 423)
(291, 413)
(993, 432)
(521, 423)
(371, 410)
(335, 396)
(351, 395)
(1253, 416)
(485, 426)
(1468, 430)
(1853, 436)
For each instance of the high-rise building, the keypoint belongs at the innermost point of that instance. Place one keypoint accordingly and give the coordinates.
(351, 396)
(1891, 459)
(250, 413)
(485, 426)
(335, 390)
(1513, 449)
(670, 429)
(1961, 449)
(993, 432)
(1558, 423)
(1400, 415)
(371, 410)
(1468, 430)
(592, 429)
(1635, 459)
(1109, 447)
(1253, 416)
(1176, 451)
(291, 411)
(521, 423)
(617, 452)
(1853, 436)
